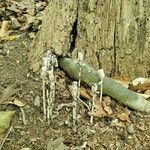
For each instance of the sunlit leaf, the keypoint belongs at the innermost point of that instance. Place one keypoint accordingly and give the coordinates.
(5, 119)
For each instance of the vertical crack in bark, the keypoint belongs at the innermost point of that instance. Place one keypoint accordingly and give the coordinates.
(97, 57)
(114, 53)
(73, 34)
(120, 11)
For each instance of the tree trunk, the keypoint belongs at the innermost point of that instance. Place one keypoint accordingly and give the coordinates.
(112, 34)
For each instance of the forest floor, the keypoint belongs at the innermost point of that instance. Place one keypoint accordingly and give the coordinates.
(127, 130)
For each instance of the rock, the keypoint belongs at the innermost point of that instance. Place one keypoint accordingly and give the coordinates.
(130, 129)
(26, 149)
(37, 102)
(40, 6)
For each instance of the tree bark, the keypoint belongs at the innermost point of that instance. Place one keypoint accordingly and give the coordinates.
(56, 31)
(112, 34)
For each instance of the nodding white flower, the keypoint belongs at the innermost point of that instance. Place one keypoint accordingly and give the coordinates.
(101, 74)
(80, 56)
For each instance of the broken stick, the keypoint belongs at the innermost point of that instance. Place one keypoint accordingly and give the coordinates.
(90, 76)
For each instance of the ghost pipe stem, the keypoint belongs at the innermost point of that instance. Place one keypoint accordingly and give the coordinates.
(110, 87)
(101, 76)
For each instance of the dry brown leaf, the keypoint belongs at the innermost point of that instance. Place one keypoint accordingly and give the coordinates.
(102, 109)
(4, 29)
(147, 92)
(124, 116)
(85, 94)
(98, 111)
(4, 32)
(115, 122)
(8, 92)
(140, 84)
(17, 103)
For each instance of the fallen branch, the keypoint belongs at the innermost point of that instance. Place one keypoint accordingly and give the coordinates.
(90, 76)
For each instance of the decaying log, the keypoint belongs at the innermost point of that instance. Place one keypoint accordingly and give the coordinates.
(112, 88)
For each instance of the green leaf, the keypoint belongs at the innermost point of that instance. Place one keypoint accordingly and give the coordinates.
(5, 119)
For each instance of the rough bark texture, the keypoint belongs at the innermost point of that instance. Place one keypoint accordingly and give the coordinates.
(55, 33)
(113, 34)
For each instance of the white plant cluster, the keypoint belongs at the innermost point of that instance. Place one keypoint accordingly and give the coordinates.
(94, 98)
(74, 95)
(47, 74)
(95, 91)
(80, 58)
(101, 75)
(76, 90)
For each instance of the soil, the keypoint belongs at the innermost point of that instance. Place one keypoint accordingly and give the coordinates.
(108, 133)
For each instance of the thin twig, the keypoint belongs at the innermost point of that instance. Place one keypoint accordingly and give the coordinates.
(4, 140)
(88, 107)
(23, 116)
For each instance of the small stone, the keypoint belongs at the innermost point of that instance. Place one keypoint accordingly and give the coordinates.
(28, 75)
(101, 124)
(37, 102)
(40, 6)
(130, 129)
(36, 79)
(32, 35)
(26, 149)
